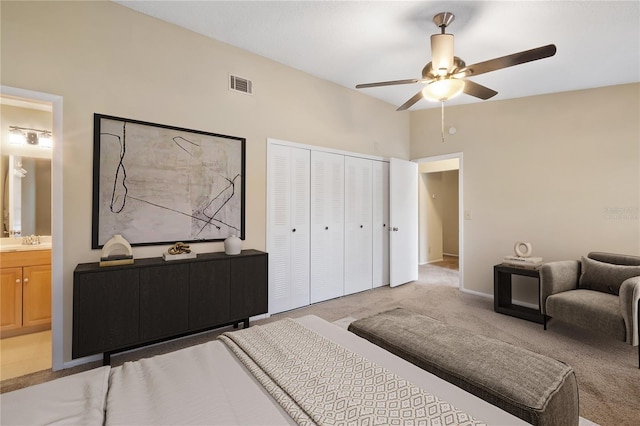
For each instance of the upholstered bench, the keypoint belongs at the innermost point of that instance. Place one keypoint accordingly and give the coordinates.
(533, 387)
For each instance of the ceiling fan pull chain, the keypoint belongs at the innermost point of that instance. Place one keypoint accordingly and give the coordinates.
(442, 121)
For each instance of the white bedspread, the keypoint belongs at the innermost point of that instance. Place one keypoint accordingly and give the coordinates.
(72, 400)
(200, 385)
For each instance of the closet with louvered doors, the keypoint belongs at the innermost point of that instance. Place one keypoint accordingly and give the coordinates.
(346, 230)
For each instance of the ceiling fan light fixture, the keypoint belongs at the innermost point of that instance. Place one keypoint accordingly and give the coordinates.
(442, 90)
(442, 53)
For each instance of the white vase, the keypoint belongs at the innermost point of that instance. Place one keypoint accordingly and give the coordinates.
(232, 245)
(117, 245)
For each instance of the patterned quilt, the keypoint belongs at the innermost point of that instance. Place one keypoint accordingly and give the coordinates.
(319, 382)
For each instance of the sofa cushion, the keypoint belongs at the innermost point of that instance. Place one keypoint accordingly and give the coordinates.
(533, 387)
(605, 277)
(615, 258)
(590, 309)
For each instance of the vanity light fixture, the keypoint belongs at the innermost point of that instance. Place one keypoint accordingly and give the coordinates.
(27, 136)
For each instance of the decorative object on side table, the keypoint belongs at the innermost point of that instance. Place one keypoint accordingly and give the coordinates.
(179, 251)
(116, 251)
(523, 256)
(232, 245)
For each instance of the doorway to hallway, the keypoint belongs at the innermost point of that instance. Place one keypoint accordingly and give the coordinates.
(440, 217)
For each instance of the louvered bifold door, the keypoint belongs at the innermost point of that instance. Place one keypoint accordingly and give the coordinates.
(380, 223)
(288, 227)
(327, 226)
(300, 175)
(358, 274)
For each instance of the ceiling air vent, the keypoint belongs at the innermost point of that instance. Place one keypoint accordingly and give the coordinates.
(239, 84)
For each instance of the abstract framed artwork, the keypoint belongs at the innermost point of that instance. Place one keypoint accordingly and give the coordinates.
(158, 184)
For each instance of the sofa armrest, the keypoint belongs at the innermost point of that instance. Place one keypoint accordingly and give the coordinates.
(629, 295)
(556, 277)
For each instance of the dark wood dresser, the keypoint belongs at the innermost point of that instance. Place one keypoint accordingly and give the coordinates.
(116, 308)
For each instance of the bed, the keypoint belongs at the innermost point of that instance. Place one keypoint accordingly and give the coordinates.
(303, 371)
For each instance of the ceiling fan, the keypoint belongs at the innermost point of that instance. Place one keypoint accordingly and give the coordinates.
(446, 74)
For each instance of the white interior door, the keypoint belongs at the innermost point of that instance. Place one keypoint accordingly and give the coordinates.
(288, 227)
(300, 235)
(380, 223)
(403, 219)
(327, 226)
(358, 250)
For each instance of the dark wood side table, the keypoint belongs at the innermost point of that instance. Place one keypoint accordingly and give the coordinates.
(502, 292)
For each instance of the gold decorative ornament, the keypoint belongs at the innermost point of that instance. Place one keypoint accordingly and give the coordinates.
(179, 248)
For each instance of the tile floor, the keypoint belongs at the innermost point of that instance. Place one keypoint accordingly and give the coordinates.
(25, 354)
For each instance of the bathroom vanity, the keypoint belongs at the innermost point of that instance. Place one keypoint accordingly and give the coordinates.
(25, 288)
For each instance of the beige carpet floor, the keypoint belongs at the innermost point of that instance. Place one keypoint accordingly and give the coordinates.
(606, 369)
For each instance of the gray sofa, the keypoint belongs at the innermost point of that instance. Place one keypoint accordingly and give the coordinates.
(600, 292)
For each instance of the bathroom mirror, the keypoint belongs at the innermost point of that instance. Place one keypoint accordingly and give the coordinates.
(26, 196)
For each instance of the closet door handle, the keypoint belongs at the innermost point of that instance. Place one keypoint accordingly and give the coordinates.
(360, 226)
(326, 227)
(293, 230)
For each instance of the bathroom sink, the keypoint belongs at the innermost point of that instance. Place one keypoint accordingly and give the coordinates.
(15, 244)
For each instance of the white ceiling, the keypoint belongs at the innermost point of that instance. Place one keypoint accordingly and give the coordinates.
(351, 42)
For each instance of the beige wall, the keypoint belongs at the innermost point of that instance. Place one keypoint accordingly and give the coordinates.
(438, 214)
(438, 220)
(104, 58)
(450, 217)
(561, 171)
(431, 203)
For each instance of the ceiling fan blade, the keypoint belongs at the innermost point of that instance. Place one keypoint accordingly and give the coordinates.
(410, 102)
(507, 61)
(478, 90)
(387, 83)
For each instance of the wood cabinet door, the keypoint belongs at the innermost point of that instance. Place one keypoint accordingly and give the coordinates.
(208, 293)
(10, 298)
(248, 286)
(164, 301)
(106, 306)
(36, 295)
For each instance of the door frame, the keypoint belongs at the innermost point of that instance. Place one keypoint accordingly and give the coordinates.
(57, 264)
(459, 156)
